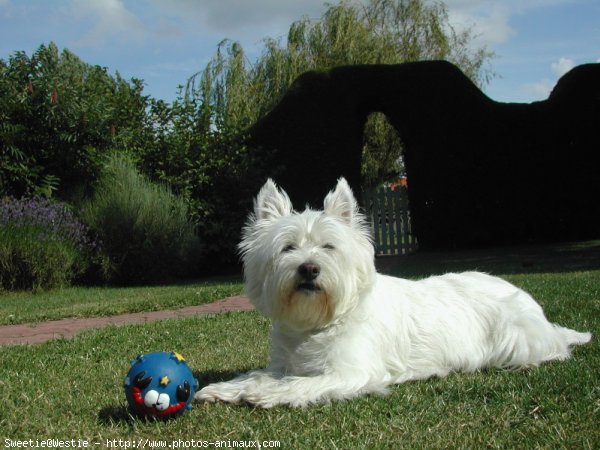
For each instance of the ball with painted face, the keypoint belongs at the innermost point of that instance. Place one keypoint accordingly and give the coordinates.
(160, 384)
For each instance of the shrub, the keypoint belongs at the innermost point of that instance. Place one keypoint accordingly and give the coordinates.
(58, 117)
(42, 244)
(145, 229)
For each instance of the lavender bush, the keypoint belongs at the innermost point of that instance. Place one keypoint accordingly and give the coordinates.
(42, 244)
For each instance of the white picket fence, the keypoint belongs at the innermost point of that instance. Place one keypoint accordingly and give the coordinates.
(389, 215)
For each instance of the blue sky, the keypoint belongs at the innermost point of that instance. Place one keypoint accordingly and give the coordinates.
(164, 42)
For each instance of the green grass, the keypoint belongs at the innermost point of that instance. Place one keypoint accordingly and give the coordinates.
(24, 306)
(73, 389)
(526, 259)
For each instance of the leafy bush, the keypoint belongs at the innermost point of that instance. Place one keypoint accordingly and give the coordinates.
(145, 229)
(42, 244)
(212, 171)
(58, 116)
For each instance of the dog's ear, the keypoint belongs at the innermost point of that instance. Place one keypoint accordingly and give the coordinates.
(340, 202)
(271, 202)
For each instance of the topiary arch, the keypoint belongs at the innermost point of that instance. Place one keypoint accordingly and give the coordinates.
(480, 172)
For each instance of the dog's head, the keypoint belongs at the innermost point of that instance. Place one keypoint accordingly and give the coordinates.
(306, 269)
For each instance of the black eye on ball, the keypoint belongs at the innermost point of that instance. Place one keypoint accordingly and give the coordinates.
(141, 381)
(328, 247)
(288, 248)
(183, 392)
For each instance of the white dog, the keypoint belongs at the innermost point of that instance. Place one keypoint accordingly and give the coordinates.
(341, 330)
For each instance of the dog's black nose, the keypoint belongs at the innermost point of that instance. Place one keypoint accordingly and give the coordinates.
(309, 271)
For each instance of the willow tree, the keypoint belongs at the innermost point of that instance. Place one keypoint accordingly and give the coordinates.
(234, 93)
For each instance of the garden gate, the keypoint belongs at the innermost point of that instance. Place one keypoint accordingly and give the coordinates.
(389, 216)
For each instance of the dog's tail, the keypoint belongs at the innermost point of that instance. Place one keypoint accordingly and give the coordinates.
(542, 341)
(559, 346)
(573, 337)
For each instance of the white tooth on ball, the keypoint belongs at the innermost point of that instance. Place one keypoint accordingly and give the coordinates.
(150, 398)
(163, 402)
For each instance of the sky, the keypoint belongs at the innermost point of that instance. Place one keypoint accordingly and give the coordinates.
(164, 42)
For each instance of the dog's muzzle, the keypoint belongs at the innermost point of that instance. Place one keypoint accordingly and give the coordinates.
(308, 273)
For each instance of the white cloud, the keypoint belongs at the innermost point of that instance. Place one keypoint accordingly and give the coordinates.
(247, 22)
(539, 90)
(489, 21)
(232, 15)
(562, 66)
(110, 20)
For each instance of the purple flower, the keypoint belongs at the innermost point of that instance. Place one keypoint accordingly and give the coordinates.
(54, 218)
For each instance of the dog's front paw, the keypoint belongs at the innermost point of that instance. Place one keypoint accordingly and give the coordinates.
(224, 392)
(237, 392)
(202, 396)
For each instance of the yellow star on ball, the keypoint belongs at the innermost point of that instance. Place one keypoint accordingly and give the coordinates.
(179, 356)
(164, 380)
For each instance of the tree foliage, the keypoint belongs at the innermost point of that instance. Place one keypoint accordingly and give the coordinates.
(234, 93)
(60, 117)
(210, 169)
(57, 116)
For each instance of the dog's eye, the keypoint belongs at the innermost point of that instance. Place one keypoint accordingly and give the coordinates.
(288, 248)
(328, 247)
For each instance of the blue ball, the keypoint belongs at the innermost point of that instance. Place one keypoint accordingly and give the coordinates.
(160, 384)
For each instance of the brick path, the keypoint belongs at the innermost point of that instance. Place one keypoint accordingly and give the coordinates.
(35, 333)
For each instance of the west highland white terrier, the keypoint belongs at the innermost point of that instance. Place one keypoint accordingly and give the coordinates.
(341, 330)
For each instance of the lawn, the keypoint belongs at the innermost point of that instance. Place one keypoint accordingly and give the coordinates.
(21, 307)
(73, 389)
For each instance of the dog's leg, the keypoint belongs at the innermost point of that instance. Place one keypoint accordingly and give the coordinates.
(262, 389)
(232, 391)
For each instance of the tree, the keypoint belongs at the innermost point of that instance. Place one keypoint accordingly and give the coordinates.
(234, 93)
(58, 115)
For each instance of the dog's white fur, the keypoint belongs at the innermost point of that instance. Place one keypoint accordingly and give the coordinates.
(352, 331)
